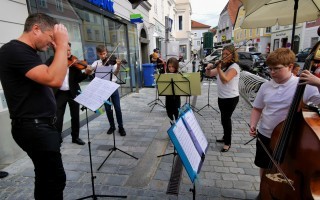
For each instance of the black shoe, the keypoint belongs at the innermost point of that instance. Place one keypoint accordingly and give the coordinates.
(3, 174)
(78, 141)
(225, 150)
(220, 140)
(111, 130)
(122, 132)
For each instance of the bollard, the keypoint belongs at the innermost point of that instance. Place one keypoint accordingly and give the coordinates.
(194, 65)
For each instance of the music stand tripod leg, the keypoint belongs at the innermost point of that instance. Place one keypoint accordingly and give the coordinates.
(94, 195)
(112, 149)
(208, 104)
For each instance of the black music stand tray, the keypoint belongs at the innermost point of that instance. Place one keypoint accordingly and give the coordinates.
(208, 104)
(114, 148)
(94, 195)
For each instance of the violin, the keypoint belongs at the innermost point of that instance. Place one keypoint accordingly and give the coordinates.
(75, 62)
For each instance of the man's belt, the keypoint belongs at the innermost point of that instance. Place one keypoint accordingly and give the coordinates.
(44, 120)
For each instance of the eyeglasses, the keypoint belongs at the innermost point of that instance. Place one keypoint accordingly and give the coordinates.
(275, 69)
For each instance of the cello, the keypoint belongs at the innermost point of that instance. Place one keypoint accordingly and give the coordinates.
(295, 147)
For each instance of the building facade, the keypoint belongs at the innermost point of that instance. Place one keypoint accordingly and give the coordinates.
(197, 29)
(89, 23)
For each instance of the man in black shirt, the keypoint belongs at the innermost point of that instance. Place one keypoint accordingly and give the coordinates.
(26, 83)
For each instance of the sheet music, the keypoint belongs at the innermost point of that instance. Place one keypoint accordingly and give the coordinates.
(96, 93)
(104, 72)
(192, 122)
(187, 145)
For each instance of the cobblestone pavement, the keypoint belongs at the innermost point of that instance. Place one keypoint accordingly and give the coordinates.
(230, 175)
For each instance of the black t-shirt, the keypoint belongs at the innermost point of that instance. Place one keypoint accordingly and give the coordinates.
(25, 97)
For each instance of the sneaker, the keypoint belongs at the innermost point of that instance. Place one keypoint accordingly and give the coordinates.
(122, 132)
(111, 130)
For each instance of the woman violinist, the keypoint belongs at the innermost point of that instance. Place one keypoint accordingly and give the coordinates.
(228, 73)
(270, 107)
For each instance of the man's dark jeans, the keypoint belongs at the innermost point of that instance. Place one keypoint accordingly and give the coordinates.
(115, 98)
(42, 144)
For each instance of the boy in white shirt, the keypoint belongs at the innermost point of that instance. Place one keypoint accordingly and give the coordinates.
(273, 101)
(108, 69)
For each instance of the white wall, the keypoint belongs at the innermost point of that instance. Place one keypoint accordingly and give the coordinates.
(309, 33)
(12, 17)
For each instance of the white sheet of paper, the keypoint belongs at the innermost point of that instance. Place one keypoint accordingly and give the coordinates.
(196, 129)
(96, 93)
(187, 145)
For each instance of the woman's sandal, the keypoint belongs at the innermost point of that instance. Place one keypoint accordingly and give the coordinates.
(225, 150)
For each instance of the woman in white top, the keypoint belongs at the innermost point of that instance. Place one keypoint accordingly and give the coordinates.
(228, 73)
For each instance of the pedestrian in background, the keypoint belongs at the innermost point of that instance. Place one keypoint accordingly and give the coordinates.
(296, 69)
(227, 72)
(32, 107)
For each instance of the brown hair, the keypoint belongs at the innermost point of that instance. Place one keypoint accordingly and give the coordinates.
(233, 51)
(44, 21)
(281, 56)
(175, 64)
(101, 48)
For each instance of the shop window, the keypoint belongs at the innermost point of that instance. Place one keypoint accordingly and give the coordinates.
(59, 5)
(89, 34)
(43, 3)
(180, 23)
(97, 34)
(268, 30)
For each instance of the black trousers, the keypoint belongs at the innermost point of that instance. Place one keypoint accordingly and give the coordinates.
(42, 144)
(227, 106)
(62, 98)
(173, 103)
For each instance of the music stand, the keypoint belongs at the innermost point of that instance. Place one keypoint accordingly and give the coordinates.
(157, 100)
(94, 195)
(108, 75)
(92, 98)
(208, 104)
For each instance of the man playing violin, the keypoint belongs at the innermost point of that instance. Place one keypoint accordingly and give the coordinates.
(66, 94)
(108, 67)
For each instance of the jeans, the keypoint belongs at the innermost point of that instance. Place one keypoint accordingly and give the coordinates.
(42, 144)
(227, 106)
(115, 99)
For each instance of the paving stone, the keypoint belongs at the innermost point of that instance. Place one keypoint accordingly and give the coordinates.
(230, 175)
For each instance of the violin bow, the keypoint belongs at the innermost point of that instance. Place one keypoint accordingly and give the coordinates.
(214, 66)
(111, 54)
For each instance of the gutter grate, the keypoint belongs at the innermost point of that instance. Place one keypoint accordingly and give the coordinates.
(175, 178)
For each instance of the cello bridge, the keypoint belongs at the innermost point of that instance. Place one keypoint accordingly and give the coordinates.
(277, 177)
